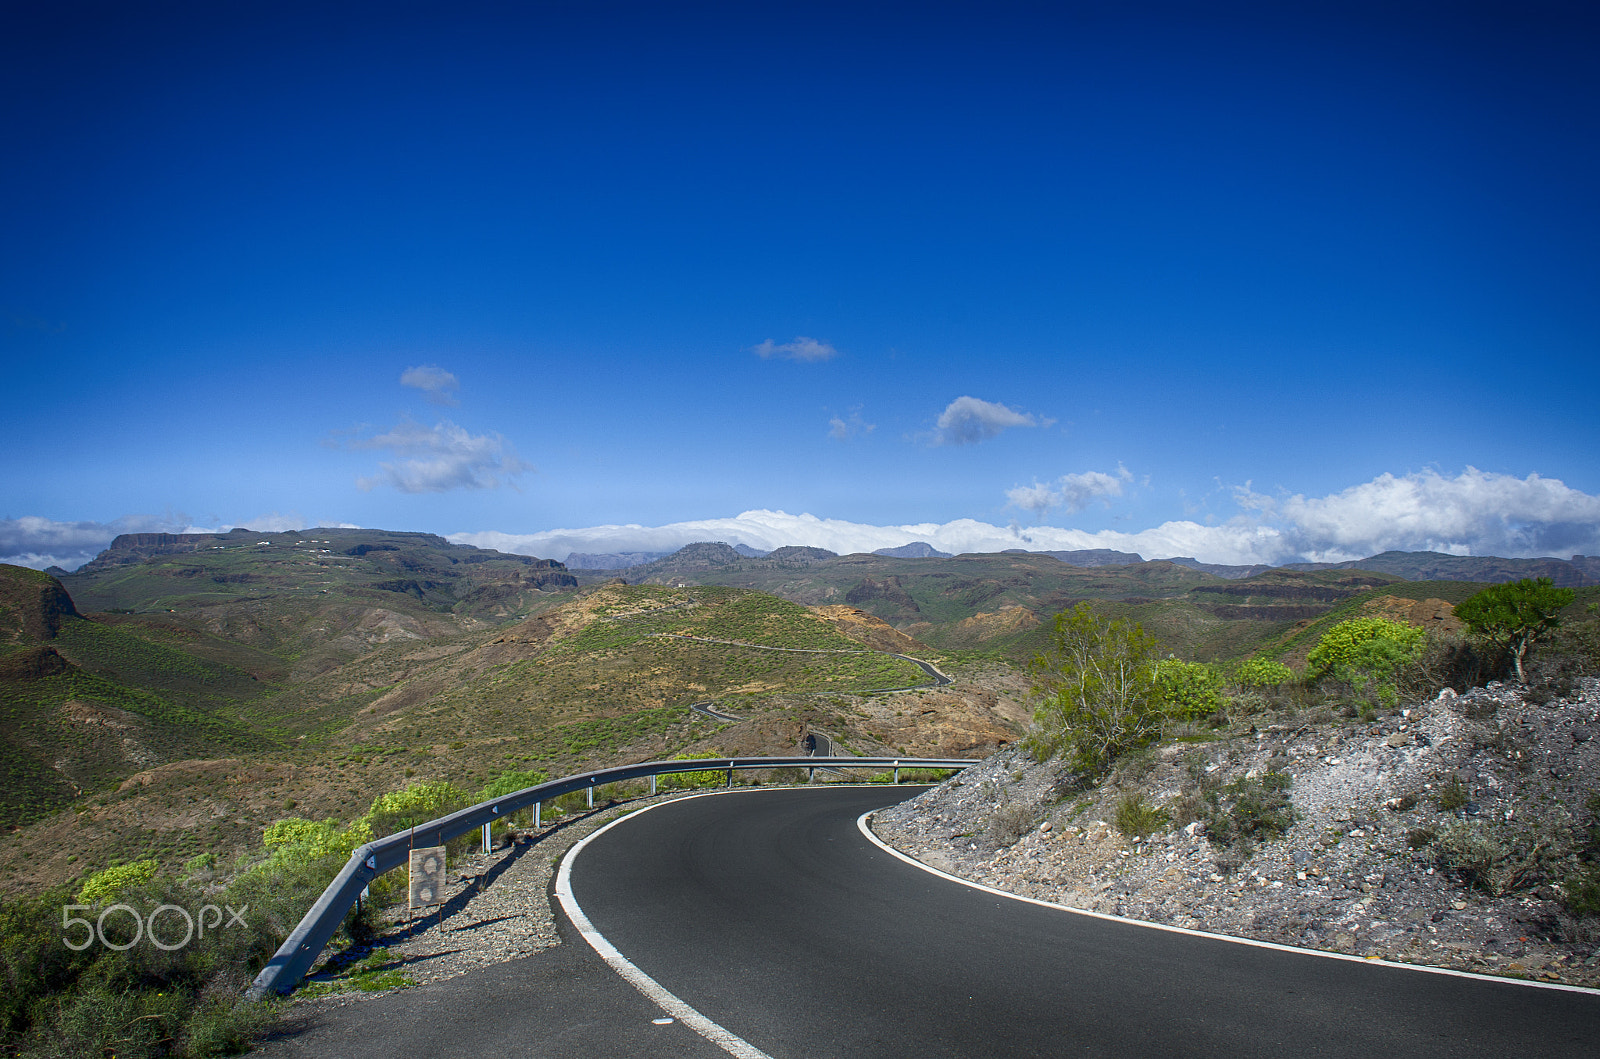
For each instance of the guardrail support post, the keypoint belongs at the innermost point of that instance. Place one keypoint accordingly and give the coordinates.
(897, 772)
(652, 785)
(590, 792)
(730, 774)
(487, 848)
(811, 775)
(536, 807)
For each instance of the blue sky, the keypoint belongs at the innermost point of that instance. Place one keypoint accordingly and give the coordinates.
(1216, 280)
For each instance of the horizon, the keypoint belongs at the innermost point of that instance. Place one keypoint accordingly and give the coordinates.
(1245, 285)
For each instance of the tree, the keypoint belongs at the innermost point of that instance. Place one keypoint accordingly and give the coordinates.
(1515, 614)
(1098, 695)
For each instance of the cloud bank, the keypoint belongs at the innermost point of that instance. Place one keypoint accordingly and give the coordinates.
(968, 420)
(440, 458)
(802, 349)
(1473, 513)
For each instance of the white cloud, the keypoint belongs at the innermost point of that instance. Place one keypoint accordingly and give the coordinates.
(968, 420)
(41, 542)
(1474, 513)
(845, 429)
(1072, 492)
(802, 349)
(766, 530)
(439, 385)
(276, 523)
(440, 458)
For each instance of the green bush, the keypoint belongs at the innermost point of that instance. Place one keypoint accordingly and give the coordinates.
(1580, 893)
(1188, 690)
(1452, 795)
(105, 887)
(1137, 818)
(1098, 696)
(690, 780)
(1261, 672)
(512, 782)
(398, 810)
(1367, 652)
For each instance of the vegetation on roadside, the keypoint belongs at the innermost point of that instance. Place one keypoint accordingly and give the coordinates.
(1515, 615)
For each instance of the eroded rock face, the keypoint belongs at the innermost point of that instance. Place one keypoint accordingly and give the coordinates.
(1430, 614)
(986, 626)
(872, 631)
(32, 605)
(1367, 867)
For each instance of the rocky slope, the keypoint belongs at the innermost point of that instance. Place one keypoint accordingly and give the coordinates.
(1439, 835)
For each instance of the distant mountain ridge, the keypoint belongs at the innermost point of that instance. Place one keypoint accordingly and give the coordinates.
(914, 550)
(1578, 572)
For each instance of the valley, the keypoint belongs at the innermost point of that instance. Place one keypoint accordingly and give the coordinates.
(181, 692)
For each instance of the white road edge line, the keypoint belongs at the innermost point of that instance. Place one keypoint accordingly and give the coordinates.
(863, 820)
(723, 1038)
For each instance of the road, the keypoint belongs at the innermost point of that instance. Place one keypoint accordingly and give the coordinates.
(769, 913)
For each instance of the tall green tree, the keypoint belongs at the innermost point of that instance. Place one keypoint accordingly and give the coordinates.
(1515, 614)
(1097, 688)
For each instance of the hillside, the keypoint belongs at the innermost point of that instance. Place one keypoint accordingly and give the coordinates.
(278, 675)
(182, 691)
(86, 702)
(1003, 603)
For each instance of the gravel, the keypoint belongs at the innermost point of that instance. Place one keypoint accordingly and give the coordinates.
(1346, 876)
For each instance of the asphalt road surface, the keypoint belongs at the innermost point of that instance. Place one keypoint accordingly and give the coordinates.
(769, 913)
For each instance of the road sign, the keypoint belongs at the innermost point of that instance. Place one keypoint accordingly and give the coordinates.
(427, 877)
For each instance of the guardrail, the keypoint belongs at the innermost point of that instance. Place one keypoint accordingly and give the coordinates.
(307, 940)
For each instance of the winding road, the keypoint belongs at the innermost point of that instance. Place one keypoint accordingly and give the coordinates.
(709, 709)
(771, 916)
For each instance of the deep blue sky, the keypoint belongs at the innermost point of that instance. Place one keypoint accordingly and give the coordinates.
(1208, 244)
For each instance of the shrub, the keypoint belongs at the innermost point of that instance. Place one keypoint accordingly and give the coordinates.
(1009, 823)
(1453, 795)
(402, 809)
(512, 782)
(1137, 818)
(686, 780)
(1261, 672)
(105, 887)
(296, 841)
(1097, 690)
(1248, 810)
(1367, 651)
(1497, 860)
(1188, 689)
(1580, 893)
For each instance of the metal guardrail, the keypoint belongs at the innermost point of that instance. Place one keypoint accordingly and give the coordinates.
(306, 941)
